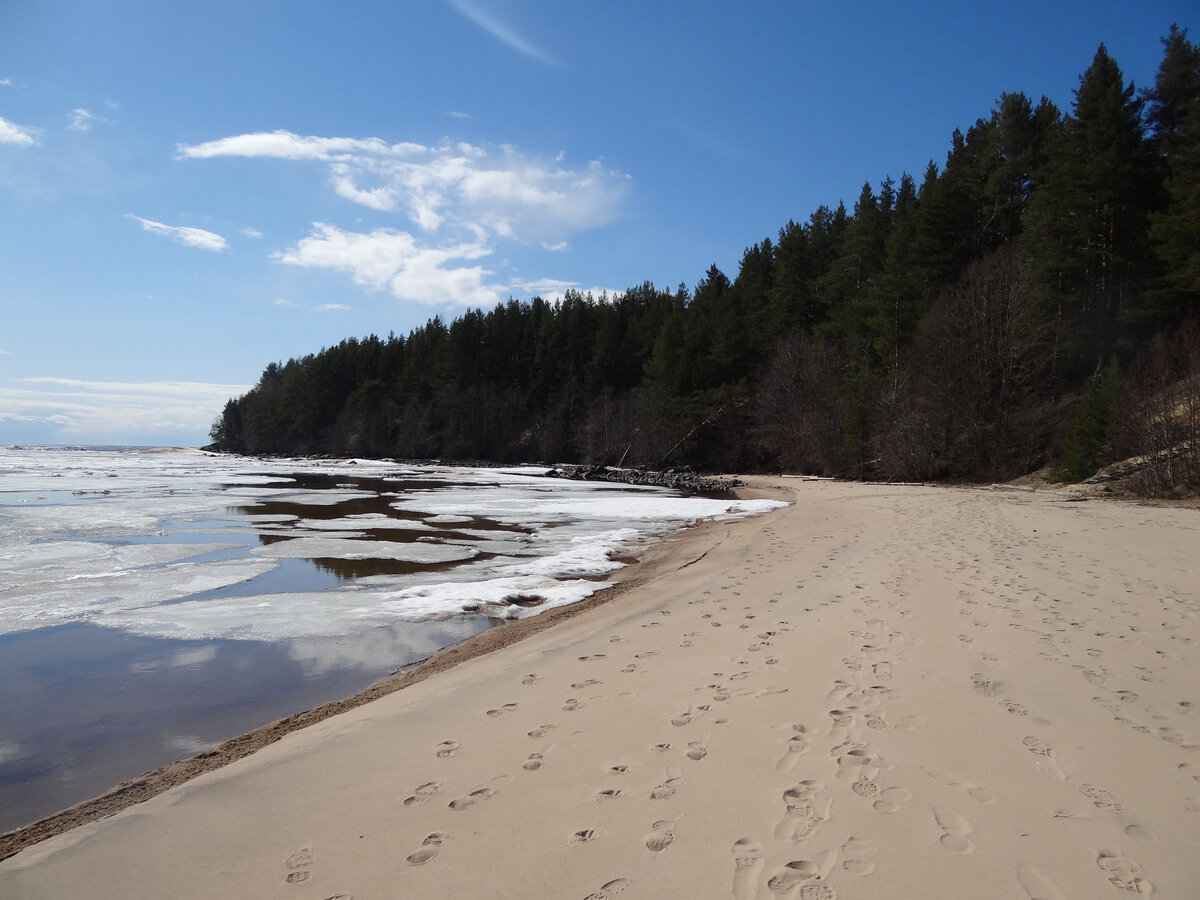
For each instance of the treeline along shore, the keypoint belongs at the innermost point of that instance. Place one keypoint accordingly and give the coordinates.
(1033, 300)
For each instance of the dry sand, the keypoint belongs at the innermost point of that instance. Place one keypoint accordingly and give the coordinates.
(878, 692)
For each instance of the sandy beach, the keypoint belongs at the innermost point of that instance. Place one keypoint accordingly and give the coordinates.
(878, 692)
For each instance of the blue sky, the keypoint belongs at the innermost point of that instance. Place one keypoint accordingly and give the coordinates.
(191, 191)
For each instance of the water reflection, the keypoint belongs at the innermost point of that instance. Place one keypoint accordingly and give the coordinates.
(137, 703)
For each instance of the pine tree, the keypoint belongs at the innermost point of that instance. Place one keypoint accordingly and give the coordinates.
(1173, 113)
(1086, 226)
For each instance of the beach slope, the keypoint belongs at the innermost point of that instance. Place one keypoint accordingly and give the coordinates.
(877, 692)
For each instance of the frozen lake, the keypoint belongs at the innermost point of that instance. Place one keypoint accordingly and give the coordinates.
(154, 603)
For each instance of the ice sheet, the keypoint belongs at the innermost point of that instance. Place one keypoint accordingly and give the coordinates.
(106, 596)
(115, 537)
(338, 548)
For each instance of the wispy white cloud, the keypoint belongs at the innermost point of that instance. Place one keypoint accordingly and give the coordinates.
(252, 233)
(5, 82)
(396, 261)
(285, 145)
(12, 133)
(455, 114)
(333, 307)
(115, 412)
(459, 201)
(504, 191)
(182, 234)
(503, 33)
(81, 120)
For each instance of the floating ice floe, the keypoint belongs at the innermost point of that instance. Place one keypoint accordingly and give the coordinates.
(337, 548)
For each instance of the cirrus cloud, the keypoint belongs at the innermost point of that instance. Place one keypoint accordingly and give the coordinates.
(12, 133)
(82, 120)
(182, 234)
(504, 191)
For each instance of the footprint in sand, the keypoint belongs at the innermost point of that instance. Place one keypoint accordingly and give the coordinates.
(818, 890)
(843, 718)
(582, 836)
(423, 792)
(865, 788)
(661, 836)
(891, 799)
(697, 750)
(1141, 832)
(298, 863)
(609, 889)
(805, 875)
(1015, 709)
(841, 688)
(1036, 885)
(802, 813)
(686, 718)
(984, 686)
(747, 863)
(571, 705)
(955, 830)
(541, 731)
(469, 800)
(797, 745)
(1101, 799)
(1123, 872)
(533, 762)
(858, 764)
(1047, 764)
(858, 856)
(446, 749)
(507, 707)
(531, 678)
(429, 848)
(667, 789)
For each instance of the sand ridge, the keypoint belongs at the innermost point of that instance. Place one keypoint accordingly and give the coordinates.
(879, 691)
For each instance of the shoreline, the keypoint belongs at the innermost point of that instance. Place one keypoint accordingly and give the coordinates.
(877, 692)
(138, 789)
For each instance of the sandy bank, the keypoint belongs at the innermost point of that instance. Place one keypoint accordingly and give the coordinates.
(877, 692)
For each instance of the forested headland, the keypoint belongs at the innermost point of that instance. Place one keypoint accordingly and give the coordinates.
(1033, 301)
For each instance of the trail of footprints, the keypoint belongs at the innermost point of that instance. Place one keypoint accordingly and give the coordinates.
(803, 805)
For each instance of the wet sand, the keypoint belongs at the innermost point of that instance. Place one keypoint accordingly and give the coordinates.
(877, 692)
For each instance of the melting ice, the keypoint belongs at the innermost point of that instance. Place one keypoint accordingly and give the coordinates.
(183, 544)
